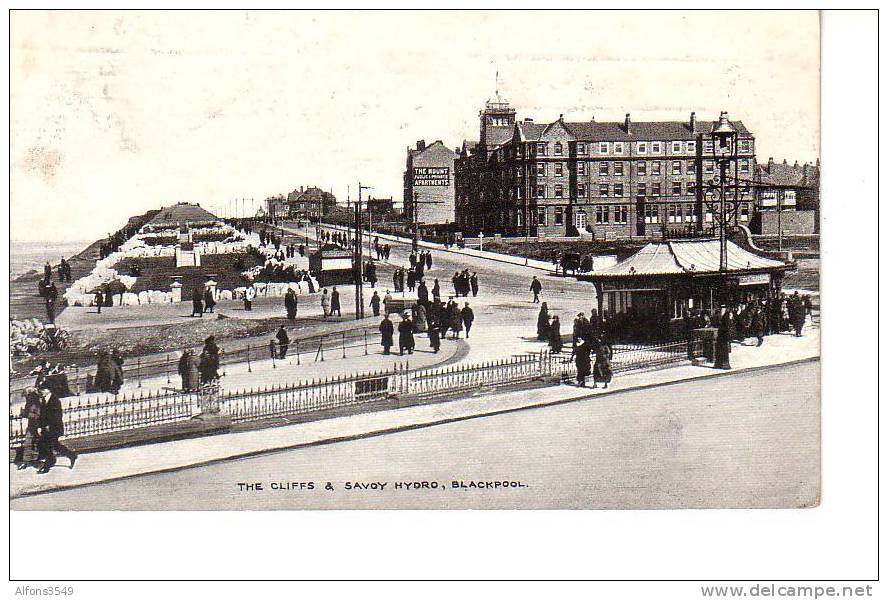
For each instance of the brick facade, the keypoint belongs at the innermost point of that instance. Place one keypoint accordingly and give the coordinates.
(611, 180)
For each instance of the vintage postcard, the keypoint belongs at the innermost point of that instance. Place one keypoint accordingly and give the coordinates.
(414, 260)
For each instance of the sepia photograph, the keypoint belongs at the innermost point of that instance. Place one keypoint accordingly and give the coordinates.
(447, 261)
(490, 278)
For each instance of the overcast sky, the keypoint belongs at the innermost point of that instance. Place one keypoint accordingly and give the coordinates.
(117, 113)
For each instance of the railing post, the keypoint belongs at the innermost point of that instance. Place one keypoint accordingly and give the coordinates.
(249, 365)
(365, 342)
(139, 370)
(298, 361)
(343, 344)
(168, 367)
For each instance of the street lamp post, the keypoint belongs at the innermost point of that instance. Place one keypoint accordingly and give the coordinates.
(724, 152)
(359, 255)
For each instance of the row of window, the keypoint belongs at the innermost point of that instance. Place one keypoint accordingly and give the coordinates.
(675, 147)
(618, 169)
(617, 189)
(618, 214)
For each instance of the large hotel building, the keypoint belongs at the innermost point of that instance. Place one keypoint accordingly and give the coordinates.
(613, 180)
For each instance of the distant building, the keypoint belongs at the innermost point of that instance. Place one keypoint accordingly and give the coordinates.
(309, 203)
(429, 187)
(799, 186)
(792, 190)
(276, 207)
(605, 179)
(379, 206)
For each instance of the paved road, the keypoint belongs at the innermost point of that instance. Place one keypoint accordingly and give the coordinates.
(748, 439)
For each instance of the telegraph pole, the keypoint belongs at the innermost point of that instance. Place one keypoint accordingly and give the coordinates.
(359, 256)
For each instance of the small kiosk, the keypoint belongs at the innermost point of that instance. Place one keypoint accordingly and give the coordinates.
(332, 266)
(655, 288)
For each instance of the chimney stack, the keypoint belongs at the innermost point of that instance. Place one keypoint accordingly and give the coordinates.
(420, 145)
(528, 120)
(628, 124)
(693, 122)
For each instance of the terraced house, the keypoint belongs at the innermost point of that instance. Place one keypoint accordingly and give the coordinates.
(610, 180)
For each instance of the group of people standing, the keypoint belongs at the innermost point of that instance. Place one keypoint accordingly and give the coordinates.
(109, 372)
(464, 283)
(589, 337)
(200, 371)
(434, 318)
(44, 426)
(383, 251)
(202, 301)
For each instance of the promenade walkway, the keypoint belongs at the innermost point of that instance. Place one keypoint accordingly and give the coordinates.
(168, 456)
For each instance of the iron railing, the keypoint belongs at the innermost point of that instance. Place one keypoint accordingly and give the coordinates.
(93, 415)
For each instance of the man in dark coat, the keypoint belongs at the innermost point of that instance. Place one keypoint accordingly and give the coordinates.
(52, 427)
(374, 303)
(47, 271)
(334, 303)
(52, 295)
(283, 342)
(209, 361)
(196, 303)
(468, 317)
(411, 279)
(422, 293)
(405, 335)
(757, 324)
(387, 330)
(536, 287)
(291, 304)
(473, 282)
(99, 300)
(723, 341)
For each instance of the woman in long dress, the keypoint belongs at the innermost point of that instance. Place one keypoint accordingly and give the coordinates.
(543, 323)
(602, 372)
(583, 360)
(555, 335)
(29, 455)
(420, 321)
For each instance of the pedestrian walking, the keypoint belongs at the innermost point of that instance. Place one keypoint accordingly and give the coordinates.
(536, 287)
(196, 303)
(434, 337)
(405, 335)
(374, 303)
(428, 260)
(436, 291)
(208, 300)
(334, 303)
(387, 331)
(757, 325)
(325, 303)
(249, 295)
(99, 300)
(473, 283)
(188, 371)
(583, 361)
(422, 293)
(555, 335)
(283, 341)
(468, 317)
(455, 320)
(52, 427)
(47, 271)
(420, 320)
(602, 372)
